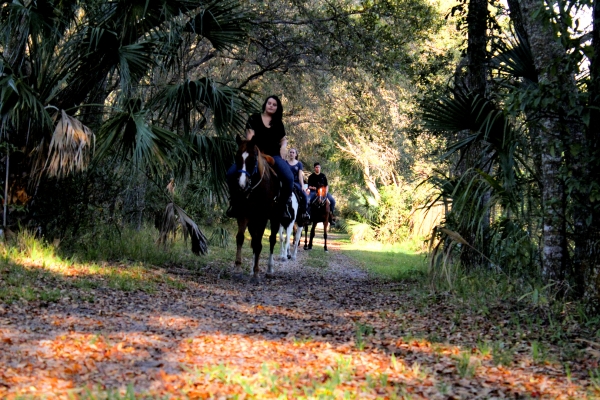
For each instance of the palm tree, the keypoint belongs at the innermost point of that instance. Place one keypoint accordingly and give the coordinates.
(126, 72)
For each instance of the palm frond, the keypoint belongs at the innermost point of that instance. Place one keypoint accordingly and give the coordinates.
(130, 135)
(71, 147)
(135, 60)
(207, 98)
(208, 156)
(450, 113)
(175, 217)
(223, 23)
(19, 104)
(515, 59)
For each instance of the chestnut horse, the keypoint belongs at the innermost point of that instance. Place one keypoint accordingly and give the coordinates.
(256, 192)
(319, 212)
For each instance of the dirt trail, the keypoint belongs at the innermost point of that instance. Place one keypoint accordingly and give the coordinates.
(310, 331)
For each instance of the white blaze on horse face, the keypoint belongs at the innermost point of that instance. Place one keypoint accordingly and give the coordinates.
(243, 177)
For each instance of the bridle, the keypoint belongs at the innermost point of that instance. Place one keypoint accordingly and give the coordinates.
(319, 200)
(249, 188)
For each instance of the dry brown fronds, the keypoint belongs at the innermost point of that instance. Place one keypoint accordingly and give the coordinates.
(71, 147)
(174, 217)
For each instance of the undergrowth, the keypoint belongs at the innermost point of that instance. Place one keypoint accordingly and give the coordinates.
(527, 315)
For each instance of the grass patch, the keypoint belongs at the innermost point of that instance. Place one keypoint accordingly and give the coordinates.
(32, 269)
(338, 381)
(107, 244)
(392, 261)
(317, 258)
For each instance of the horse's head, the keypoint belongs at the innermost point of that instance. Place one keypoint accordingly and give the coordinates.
(321, 197)
(247, 163)
(322, 192)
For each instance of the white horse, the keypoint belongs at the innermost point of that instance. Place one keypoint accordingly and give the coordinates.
(285, 234)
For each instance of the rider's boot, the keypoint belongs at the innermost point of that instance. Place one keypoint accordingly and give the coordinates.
(303, 212)
(283, 208)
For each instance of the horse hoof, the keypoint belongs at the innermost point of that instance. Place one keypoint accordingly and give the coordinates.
(269, 275)
(283, 259)
(255, 280)
(305, 247)
(327, 251)
(289, 257)
(293, 258)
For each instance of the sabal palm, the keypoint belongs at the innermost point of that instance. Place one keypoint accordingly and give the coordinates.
(116, 66)
(501, 180)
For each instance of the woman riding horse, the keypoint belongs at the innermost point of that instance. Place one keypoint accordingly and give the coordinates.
(255, 195)
(298, 172)
(266, 131)
(252, 185)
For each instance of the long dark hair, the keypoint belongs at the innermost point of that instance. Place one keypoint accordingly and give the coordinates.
(278, 116)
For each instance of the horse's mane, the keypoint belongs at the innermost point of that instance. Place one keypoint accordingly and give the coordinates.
(249, 146)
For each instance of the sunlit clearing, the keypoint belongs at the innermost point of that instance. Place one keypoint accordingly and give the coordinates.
(394, 261)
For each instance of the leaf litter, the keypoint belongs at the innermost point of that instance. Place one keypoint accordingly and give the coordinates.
(331, 332)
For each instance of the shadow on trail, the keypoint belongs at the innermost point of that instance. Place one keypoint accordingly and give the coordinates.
(305, 318)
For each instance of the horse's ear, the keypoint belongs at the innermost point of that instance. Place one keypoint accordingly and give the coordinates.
(269, 159)
(238, 139)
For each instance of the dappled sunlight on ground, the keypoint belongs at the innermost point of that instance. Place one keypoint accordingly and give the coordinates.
(175, 354)
(309, 332)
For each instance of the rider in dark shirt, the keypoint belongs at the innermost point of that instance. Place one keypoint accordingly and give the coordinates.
(317, 180)
(267, 132)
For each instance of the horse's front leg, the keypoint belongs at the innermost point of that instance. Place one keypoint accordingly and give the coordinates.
(306, 236)
(272, 243)
(257, 231)
(325, 232)
(281, 241)
(312, 235)
(290, 228)
(297, 238)
(239, 241)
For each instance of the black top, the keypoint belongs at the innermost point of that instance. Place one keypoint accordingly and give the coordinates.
(317, 180)
(266, 138)
(295, 171)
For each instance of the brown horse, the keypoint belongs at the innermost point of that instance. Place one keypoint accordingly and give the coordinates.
(319, 212)
(257, 189)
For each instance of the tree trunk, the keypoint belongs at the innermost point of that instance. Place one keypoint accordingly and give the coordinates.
(475, 83)
(517, 18)
(476, 49)
(587, 250)
(548, 55)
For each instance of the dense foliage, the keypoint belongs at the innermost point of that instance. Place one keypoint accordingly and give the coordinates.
(523, 152)
(116, 98)
(104, 103)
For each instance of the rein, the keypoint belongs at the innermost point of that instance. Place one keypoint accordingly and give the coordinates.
(250, 175)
